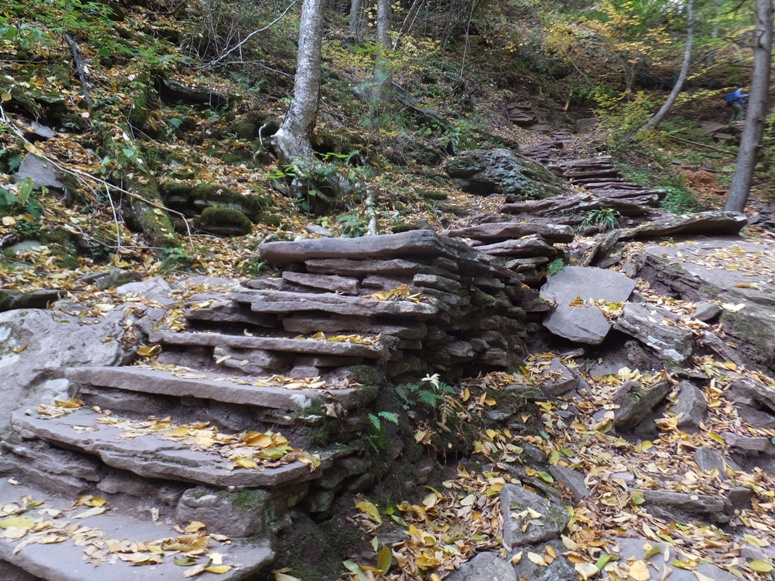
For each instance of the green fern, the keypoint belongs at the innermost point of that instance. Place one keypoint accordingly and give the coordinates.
(389, 416)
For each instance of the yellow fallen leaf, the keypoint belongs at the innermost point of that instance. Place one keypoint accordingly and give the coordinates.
(91, 512)
(427, 561)
(149, 350)
(246, 462)
(536, 559)
(586, 570)
(218, 569)
(15, 533)
(639, 571)
(194, 571)
(17, 521)
(760, 566)
(384, 559)
(370, 510)
(194, 526)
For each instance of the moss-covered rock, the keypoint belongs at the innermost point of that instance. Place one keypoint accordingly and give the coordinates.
(223, 222)
(146, 214)
(191, 200)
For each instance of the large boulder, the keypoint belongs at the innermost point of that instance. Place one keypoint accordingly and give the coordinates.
(36, 346)
(571, 289)
(501, 171)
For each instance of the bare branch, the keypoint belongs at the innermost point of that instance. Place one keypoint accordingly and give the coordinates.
(85, 177)
(239, 45)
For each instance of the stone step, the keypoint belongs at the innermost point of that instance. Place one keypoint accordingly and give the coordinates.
(103, 546)
(281, 344)
(159, 449)
(292, 302)
(191, 383)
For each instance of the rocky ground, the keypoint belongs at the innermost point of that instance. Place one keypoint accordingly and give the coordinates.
(598, 399)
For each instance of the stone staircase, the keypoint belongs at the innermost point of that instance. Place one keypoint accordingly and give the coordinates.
(232, 424)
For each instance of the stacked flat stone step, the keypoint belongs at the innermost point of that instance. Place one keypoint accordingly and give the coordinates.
(599, 176)
(418, 303)
(601, 182)
(335, 289)
(82, 543)
(524, 247)
(442, 321)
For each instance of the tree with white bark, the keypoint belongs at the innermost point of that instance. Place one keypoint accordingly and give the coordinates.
(756, 115)
(684, 72)
(292, 141)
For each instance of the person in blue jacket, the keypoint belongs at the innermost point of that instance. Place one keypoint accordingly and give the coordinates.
(737, 100)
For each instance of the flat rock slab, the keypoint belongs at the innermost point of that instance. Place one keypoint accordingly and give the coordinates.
(703, 505)
(327, 282)
(152, 457)
(208, 386)
(528, 246)
(632, 549)
(520, 526)
(65, 561)
(585, 324)
(367, 267)
(713, 223)
(281, 344)
(502, 231)
(656, 328)
(740, 274)
(290, 302)
(310, 324)
(420, 243)
(484, 567)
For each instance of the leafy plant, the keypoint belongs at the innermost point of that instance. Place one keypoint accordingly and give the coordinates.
(378, 439)
(429, 392)
(19, 199)
(555, 266)
(352, 224)
(679, 200)
(608, 218)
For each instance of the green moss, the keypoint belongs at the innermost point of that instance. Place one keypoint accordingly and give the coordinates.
(217, 195)
(237, 156)
(269, 220)
(249, 500)
(223, 222)
(245, 130)
(153, 221)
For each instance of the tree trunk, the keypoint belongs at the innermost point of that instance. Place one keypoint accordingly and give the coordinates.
(710, 59)
(750, 141)
(383, 22)
(679, 82)
(293, 139)
(356, 19)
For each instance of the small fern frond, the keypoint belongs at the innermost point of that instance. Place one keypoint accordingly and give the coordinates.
(389, 416)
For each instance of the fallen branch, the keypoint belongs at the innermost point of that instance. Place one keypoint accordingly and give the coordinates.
(79, 69)
(371, 211)
(703, 145)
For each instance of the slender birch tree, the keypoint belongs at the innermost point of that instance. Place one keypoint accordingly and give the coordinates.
(758, 105)
(679, 82)
(356, 19)
(293, 139)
